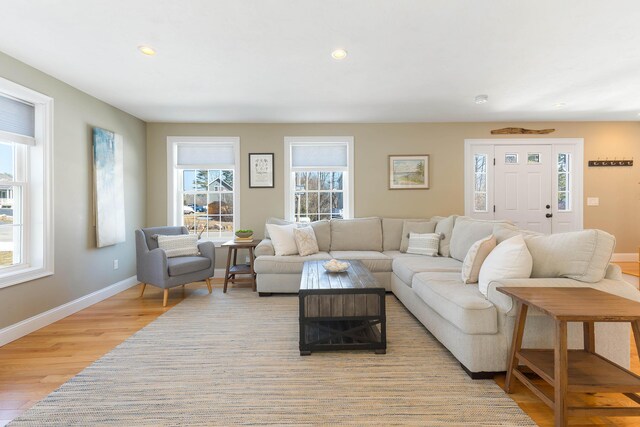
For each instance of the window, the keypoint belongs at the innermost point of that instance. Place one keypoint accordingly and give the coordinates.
(318, 178)
(564, 182)
(480, 183)
(26, 243)
(203, 185)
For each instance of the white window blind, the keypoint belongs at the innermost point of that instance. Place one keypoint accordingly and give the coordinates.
(191, 155)
(319, 155)
(17, 118)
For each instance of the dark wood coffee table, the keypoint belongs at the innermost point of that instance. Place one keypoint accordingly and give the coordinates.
(574, 370)
(341, 311)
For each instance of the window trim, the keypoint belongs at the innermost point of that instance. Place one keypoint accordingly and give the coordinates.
(289, 192)
(38, 245)
(172, 179)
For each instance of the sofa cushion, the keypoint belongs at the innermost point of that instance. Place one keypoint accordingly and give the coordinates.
(321, 228)
(306, 241)
(285, 264)
(503, 232)
(398, 254)
(422, 227)
(475, 257)
(509, 260)
(282, 239)
(460, 304)
(187, 264)
(580, 255)
(405, 267)
(466, 232)
(360, 234)
(376, 262)
(444, 226)
(391, 233)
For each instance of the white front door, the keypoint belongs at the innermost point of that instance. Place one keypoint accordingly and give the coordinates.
(523, 186)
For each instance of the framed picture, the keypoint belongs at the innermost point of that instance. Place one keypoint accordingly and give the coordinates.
(261, 174)
(409, 172)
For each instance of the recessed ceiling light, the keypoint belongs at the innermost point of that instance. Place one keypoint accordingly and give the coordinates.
(559, 105)
(339, 54)
(147, 50)
(482, 99)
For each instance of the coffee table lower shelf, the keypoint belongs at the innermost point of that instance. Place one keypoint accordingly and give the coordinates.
(325, 334)
(587, 373)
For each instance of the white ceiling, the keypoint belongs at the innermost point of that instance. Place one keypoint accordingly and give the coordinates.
(269, 60)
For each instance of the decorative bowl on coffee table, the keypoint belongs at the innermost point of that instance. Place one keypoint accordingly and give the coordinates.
(335, 266)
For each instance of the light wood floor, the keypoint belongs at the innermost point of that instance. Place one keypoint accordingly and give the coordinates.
(630, 268)
(35, 365)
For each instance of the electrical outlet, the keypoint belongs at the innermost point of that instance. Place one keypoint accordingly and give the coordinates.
(115, 264)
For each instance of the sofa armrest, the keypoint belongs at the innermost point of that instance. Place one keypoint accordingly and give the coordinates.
(152, 267)
(265, 247)
(208, 250)
(506, 305)
(614, 272)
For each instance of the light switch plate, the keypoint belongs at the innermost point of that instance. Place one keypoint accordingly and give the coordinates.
(593, 201)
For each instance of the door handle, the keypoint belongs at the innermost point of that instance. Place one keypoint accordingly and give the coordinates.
(549, 215)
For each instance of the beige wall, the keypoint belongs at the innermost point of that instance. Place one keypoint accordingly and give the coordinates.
(618, 188)
(80, 268)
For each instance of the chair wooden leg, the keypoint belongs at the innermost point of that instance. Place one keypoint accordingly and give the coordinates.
(144, 286)
(208, 280)
(166, 297)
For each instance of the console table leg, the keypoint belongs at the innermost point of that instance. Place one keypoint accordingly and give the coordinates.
(589, 337)
(226, 274)
(516, 344)
(561, 379)
(635, 326)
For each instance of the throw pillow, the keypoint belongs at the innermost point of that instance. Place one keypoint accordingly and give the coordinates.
(418, 227)
(475, 257)
(509, 260)
(424, 244)
(282, 238)
(306, 241)
(179, 245)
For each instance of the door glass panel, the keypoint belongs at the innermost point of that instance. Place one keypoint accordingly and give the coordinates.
(564, 182)
(533, 158)
(480, 183)
(511, 158)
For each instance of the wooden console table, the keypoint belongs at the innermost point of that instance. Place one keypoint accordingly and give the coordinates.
(574, 370)
(240, 269)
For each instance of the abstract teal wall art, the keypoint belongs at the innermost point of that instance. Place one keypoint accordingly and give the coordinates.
(108, 177)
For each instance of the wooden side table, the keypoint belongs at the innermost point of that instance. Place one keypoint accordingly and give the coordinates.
(568, 371)
(240, 269)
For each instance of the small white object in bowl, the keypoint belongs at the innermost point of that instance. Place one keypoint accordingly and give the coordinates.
(335, 266)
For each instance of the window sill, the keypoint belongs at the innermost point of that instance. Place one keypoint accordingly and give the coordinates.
(23, 275)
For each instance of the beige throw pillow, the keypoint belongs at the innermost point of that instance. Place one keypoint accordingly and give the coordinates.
(179, 245)
(306, 241)
(282, 238)
(424, 244)
(475, 257)
(509, 260)
(418, 227)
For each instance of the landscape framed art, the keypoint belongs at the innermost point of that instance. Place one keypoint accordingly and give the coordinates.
(409, 172)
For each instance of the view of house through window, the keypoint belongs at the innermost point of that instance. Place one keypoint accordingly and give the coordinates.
(208, 201)
(204, 185)
(11, 187)
(318, 195)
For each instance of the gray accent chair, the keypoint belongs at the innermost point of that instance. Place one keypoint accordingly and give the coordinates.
(154, 268)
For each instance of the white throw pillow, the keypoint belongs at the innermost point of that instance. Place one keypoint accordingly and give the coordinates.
(424, 244)
(509, 260)
(282, 238)
(475, 258)
(179, 245)
(306, 241)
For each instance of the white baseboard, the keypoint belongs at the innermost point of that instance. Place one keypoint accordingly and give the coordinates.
(622, 257)
(25, 327)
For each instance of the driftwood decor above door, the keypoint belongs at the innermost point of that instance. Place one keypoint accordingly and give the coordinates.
(521, 131)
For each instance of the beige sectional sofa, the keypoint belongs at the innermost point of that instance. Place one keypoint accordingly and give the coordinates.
(475, 329)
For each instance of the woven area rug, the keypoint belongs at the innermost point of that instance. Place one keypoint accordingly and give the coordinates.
(232, 359)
